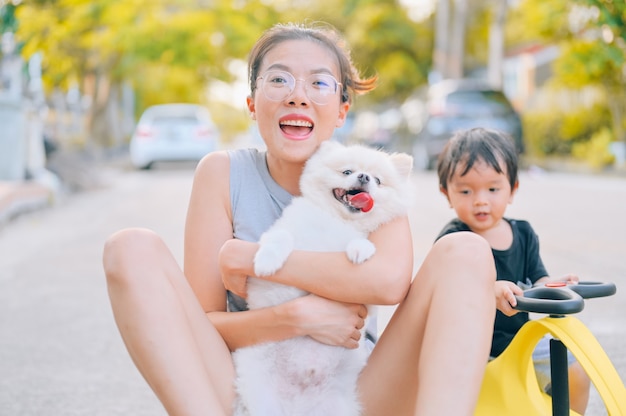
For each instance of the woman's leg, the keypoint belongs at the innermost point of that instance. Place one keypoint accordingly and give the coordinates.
(181, 356)
(431, 357)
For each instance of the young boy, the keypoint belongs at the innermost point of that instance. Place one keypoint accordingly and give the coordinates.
(478, 174)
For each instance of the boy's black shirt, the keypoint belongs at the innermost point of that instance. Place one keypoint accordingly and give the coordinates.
(520, 264)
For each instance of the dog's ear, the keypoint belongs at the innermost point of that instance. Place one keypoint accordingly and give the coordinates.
(403, 163)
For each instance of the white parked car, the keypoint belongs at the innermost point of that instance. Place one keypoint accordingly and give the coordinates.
(173, 132)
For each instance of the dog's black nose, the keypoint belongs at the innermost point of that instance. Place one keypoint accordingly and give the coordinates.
(364, 178)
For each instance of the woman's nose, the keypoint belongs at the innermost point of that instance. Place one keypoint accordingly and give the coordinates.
(299, 94)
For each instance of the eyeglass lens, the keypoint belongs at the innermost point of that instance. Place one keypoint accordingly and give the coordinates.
(278, 85)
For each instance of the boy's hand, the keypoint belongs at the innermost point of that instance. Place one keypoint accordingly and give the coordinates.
(568, 278)
(571, 279)
(505, 292)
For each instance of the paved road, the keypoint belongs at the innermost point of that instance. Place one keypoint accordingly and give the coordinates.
(60, 353)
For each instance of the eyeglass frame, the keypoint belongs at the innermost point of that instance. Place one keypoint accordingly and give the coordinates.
(338, 85)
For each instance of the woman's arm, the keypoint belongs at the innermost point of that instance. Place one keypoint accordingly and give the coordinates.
(208, 226)
(381, 280)
(327, 321)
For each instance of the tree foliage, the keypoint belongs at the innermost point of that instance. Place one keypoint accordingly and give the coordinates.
(592, 38)
(168, 50)
(8, 23)
(165, 49)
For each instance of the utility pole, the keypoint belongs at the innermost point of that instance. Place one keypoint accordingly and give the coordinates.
(449, 51)
(441, 51)
(496, 45)
(457, 44)
(450, 33)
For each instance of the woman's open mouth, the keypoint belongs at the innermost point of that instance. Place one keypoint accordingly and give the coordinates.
(296, 128)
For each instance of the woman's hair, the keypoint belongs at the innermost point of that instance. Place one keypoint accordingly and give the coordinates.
(325, 35)
(467, 147)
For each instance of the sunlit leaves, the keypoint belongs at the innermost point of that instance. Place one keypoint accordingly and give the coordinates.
(545, 18)
(391, 45)
(121, 38)
(171, 49)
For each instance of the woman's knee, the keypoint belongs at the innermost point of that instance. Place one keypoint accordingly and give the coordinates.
(464, 243)
(127, 248)
(468, 251)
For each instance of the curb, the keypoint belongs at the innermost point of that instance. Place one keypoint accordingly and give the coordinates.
(19, 197)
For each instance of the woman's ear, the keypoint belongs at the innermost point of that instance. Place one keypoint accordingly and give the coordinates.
(343, 112)
(251, 108)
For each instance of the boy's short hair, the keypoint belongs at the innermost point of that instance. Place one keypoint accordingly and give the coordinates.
(465, 148)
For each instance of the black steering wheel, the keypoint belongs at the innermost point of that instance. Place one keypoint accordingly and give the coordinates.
(560, 298)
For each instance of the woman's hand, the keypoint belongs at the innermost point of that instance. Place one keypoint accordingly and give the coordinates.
(330, 322)
(505, 296)
(236, 263)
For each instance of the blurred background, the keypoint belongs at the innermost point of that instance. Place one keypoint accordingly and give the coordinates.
(76, 76)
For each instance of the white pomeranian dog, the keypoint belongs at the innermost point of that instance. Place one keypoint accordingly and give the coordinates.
(347, 192)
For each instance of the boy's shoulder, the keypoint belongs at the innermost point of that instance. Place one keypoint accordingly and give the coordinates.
(517, 222)
(522, 226)
(453, 226)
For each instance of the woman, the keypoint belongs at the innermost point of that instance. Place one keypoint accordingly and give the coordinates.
(176, 325)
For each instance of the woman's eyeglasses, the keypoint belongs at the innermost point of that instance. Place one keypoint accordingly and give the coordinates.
(278, 85)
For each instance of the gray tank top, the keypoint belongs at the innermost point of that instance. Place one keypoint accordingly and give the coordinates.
(256, 201)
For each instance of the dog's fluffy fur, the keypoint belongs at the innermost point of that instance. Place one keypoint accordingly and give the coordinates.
(300, 376)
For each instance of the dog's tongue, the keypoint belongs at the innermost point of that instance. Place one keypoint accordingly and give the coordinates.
(362, 201)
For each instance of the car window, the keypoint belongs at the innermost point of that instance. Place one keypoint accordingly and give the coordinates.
(477, 103)
(174, 120)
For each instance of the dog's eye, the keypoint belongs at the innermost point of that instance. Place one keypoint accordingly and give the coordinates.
(347, 172)
(377, 181)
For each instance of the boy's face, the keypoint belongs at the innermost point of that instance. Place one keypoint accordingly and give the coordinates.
(481, 196)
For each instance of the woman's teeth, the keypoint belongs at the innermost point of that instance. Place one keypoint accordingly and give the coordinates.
(296, 123)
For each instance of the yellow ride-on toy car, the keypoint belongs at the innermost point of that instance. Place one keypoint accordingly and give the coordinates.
(510, 386)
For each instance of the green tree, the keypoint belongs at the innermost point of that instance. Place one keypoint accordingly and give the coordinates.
(8, 23)
(166, 49)
(592, 38)
(382, 38)
(169, 50)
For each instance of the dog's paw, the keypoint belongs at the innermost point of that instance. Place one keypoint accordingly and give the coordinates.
(274, 248)
(360, 250)
(268, 261)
